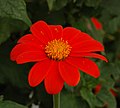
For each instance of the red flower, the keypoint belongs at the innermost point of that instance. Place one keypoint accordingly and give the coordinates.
(98, 88)
(59, 54)
(96, 23)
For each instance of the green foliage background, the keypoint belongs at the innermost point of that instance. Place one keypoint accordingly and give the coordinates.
(16, 16)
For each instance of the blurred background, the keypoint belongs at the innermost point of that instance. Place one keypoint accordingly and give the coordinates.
(98, 18)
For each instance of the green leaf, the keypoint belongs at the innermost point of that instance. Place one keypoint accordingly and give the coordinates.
(50, 4)
(13, 18)
(69, 100)
(69, 88)
(113, 7)
(86, 25)
(107, 98)
(96, 34)
(110, 15)
(88, 96)
(88, 81)
(113, 25)
(10, 104)
(4, 30)
(15, 9)
(81, 25)
(108, 70)
(8, 26)
(92, 3)
(58, 4)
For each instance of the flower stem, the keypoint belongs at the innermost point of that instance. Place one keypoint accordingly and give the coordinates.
(56, 101)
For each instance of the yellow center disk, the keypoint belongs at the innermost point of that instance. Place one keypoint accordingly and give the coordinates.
(58, 49)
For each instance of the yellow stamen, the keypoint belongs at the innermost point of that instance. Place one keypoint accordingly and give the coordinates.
(58, 49)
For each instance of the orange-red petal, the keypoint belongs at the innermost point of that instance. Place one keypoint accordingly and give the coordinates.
(80, 37)
(87, 46)
(87, 54)
(42, 31)
(31, 56)
(69, 73)
(97, 89)
(69, 33)
(96, 23)
(28, 38)
(53, 81)
(26, 47)
(85, 65)
(38, 72)
(57, 31)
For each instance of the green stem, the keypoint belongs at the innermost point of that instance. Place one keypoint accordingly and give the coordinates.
(56, 101)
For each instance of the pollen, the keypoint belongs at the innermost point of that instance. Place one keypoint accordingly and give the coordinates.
(57, 49)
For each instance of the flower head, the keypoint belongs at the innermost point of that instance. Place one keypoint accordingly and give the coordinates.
(58, 54)
(96, 23)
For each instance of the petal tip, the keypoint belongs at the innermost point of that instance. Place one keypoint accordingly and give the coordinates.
(12, 59)
(97, 75)
(31, 83)
(106, 61)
